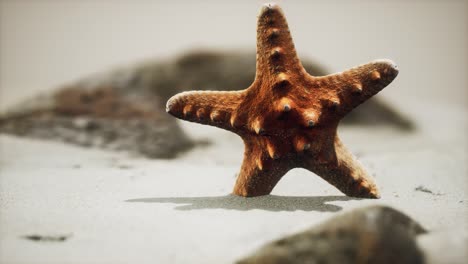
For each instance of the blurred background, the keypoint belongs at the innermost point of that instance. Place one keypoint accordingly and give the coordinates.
(45, 44)
(120, 208)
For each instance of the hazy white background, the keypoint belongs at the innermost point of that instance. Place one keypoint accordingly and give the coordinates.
(46, 43)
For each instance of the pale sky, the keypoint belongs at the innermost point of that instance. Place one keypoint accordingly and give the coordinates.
(46, 43)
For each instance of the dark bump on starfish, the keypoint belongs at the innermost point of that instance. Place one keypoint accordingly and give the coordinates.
(310, 119)
(282, 81)
(363, 191)
(259, 164)
(356, 89)
(275, 53)
(375, 75)
(302, 144)
(274, 33)
(233, 120)
(258, 128)
(285, 105)
(215, 116)
(357, 184)
(272, 153)
(271, 150)
(299, 144)
(187, 111)
(201, 113)
(334, 105)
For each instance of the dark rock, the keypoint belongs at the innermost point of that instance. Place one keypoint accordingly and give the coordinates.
(155, 138)
(374, 234)
(47, 238)
(421, 188)
(125, 109)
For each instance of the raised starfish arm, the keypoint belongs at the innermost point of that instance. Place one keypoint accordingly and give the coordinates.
(275, 47)
(205, 107)
(340, 168)
(354, 86)
(259, 172)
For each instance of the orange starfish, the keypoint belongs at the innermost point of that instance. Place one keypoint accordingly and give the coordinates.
(288, 118)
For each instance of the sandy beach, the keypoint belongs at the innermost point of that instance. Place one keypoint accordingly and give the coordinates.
(118, 208)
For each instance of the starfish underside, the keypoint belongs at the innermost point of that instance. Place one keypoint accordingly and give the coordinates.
(288, 118)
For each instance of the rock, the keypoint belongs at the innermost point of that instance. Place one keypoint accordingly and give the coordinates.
(124, 109)
(48, 238)
(375, 234)
(424, 189)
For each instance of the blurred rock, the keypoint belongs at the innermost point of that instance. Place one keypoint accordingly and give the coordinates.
(374, 234)
(48, 238)
(124, 109)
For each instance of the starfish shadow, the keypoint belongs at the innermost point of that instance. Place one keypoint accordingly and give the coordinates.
(273, 203)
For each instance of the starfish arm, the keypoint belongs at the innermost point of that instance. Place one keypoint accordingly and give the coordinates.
(275, 47)
(346, 90)
(205, 107)
(340, 168)
(259, 173)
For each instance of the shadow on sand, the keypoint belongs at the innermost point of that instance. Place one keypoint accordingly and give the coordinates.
(268, 202)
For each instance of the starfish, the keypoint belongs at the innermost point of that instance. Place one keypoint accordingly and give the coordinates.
(288, 118)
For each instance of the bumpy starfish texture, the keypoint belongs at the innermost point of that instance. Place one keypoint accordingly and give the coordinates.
(288, 118)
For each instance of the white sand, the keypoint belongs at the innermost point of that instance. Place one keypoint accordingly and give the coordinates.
(122, 209)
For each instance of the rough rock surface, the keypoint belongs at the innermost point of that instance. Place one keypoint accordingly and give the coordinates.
(375, 234)
(101, 117)
(124, 109)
